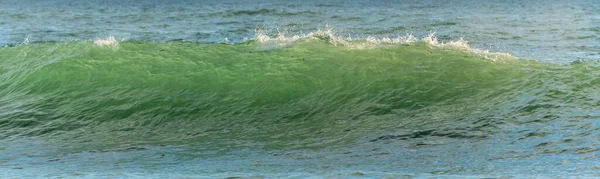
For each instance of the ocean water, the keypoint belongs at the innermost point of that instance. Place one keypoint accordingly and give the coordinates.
(299, 89)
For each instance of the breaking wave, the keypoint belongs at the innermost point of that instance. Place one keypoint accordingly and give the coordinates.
(312, 90)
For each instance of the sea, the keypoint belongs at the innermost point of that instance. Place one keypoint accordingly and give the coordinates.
(299, 89)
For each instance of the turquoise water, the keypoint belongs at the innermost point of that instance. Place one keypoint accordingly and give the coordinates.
(195, 89)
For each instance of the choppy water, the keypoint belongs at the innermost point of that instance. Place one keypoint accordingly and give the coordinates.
(299, 89)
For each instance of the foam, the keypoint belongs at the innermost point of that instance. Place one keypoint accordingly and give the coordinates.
(26, 40)
(283, 40)
(463, 45)
(109, 42)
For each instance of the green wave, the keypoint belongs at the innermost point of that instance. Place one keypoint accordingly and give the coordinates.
(311, 94)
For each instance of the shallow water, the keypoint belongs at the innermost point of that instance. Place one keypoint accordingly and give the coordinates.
(194, 89)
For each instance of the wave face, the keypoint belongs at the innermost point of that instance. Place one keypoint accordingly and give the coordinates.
(315, 101)
(310, 94)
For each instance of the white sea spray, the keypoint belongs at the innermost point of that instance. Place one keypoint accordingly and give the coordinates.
(109, 42)
(284, 40)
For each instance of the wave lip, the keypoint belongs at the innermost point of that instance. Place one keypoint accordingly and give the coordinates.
(284, 40)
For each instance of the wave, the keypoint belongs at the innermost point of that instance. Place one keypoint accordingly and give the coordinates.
(307, 93)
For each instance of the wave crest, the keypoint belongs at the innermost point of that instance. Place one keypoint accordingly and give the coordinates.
(284, 40)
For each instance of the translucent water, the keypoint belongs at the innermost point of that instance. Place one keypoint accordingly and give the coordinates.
(268, 89)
